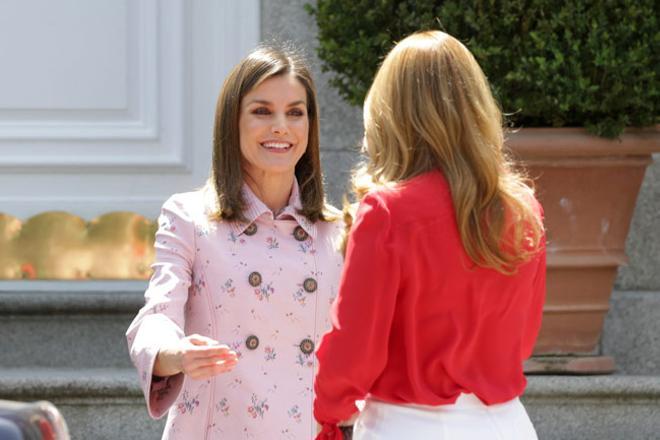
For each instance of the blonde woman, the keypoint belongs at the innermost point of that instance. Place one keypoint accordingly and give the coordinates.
(441, 296)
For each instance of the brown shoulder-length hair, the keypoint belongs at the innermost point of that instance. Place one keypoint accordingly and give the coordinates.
(227, 175)
(431, 107)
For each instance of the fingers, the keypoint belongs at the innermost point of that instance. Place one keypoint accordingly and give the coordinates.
(201, 340)
(215, 351)
(204, 357)
(207, 371)
(208, 355)
(206, 346)
(193, 360)
(192, 353)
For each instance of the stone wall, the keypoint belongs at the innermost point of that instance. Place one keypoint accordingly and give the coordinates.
(643, 245)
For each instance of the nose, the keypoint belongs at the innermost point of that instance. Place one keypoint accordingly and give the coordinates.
(279, 125)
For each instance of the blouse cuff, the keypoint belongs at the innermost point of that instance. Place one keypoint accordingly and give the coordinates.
(330, 431)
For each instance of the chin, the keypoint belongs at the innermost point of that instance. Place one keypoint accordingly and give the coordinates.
(276, 169)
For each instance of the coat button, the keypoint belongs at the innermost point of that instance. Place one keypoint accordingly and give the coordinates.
(251, 230)
(252, 342)
(307, 346)
(254, 279)
(310, 285)
(300, 234)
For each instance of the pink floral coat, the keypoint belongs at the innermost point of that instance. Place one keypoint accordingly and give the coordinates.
(264, 288)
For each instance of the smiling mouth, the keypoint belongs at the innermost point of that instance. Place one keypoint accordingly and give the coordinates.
(277, 146)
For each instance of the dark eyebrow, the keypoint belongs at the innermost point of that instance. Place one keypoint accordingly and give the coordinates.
(264, 102)
(259, 101)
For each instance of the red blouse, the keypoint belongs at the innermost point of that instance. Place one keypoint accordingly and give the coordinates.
(415, 321)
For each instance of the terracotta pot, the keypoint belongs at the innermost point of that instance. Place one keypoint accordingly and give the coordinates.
(588, 187)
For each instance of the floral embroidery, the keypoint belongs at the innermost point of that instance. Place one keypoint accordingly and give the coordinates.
(236, 346)
(159, 308)
(270, 353)
(198, 285)
(203, 231)
(293, 317)
(295, 414)
(307, 246)
(300, 296)
(229, 288)
(223, 407)
(264, 291)
(305, 360)
(255, 315)
(217, 431)
(272, 243)
(286, 433)
(258, 408)
(233, 238)
(237, 382)
(188, 404)
(167, 224)
(247, 434)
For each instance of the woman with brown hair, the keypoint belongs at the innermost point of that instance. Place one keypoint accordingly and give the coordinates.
(441, 297)
(245, 269)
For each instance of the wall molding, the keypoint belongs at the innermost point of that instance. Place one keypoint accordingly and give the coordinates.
(152, 132)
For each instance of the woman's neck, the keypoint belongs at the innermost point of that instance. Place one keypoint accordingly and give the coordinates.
(273, 190)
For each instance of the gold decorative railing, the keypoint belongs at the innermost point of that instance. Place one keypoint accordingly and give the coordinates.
(60, 246)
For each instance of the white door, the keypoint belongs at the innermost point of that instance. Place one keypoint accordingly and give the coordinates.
(108, 105)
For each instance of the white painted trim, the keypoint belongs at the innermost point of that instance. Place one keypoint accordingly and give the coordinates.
(148, 59)
(109, 140)
(176, 163)
(45, 125)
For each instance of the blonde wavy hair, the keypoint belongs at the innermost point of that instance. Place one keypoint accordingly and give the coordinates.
(431, 107)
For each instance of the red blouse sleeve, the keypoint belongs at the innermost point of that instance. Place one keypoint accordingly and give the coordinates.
(533, 324)
(354, 353)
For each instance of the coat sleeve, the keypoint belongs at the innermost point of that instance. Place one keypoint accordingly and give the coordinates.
(354, 353)
(161, 320)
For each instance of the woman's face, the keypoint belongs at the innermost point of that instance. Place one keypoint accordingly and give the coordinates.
(273, 126)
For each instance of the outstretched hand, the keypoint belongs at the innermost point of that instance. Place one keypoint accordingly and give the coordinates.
(196, 356)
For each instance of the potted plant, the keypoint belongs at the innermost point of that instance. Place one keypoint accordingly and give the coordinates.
(573, 78)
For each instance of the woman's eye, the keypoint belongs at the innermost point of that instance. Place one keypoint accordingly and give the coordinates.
(261, 111)
(296, 112)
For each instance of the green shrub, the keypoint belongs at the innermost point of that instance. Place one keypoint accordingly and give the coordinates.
(591, 63)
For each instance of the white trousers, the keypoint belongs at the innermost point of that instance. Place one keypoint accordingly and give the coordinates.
(467, 419)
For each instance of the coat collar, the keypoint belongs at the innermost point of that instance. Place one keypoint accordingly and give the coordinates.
(255, 208)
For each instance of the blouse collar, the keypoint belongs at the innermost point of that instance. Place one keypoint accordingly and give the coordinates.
(255, 208)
